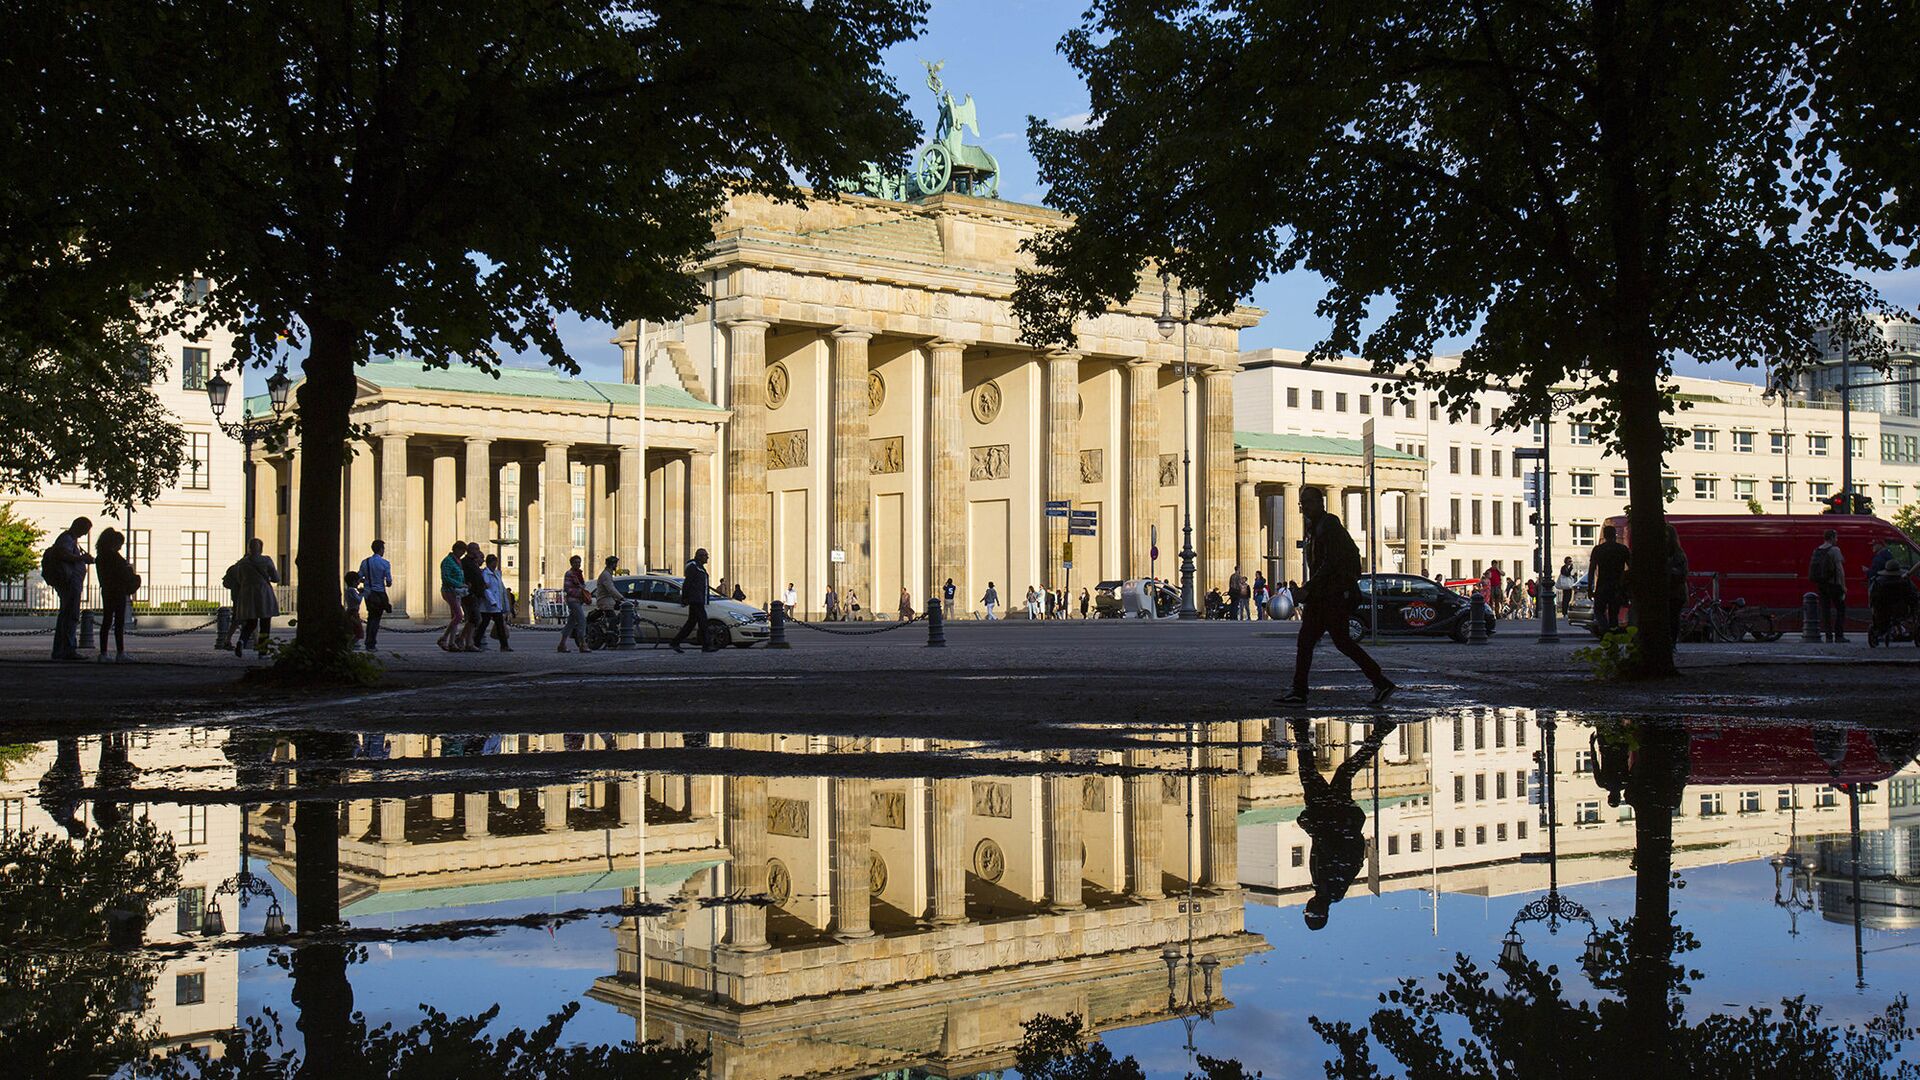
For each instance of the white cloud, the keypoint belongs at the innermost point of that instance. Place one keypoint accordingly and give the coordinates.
(1079, 121)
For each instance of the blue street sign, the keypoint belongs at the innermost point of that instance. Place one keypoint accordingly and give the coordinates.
(1051, 512)
(1087, 515)
(1082, 530)
(1058, 504)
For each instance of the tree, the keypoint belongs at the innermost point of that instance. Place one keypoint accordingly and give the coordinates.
(406, 177)
(19, 545)
(1591, 189)
(1907, 520)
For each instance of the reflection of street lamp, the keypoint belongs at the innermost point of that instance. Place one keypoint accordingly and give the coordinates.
(1798, 897)
(1166, 322)
(250, 427)
(1190, 1009)
(1552, 909)
(245, 886)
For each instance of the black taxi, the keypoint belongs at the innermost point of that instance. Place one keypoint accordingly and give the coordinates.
(1412, 605)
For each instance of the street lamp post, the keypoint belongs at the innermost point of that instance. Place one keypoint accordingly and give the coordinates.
(1549, 597)
(248, 429)
(1166, 323)
(1552, 909)
(244, 886)
(1191, 1008)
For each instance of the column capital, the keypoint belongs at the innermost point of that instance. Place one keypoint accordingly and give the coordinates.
(482, 439)
(562, 446)
(744, 324)
(852, 333)
(941, 343)
(1064, 356)
(1143, 362)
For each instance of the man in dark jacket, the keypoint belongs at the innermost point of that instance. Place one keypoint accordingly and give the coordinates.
(1328, 597)
(1332, 820)
(1607, 572)
(693, 593)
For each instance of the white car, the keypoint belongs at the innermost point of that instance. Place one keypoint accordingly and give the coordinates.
(656, 598)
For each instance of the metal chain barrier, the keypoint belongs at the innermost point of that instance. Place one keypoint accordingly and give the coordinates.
(25, 633)
(172, 633)
(824, 629)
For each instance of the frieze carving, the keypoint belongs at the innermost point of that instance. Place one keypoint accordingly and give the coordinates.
(1171, 788)
(778, 383)
(986, 401)
(787, 449)
(1093, 795)
(876, 392)
(886, 455)
(991, 798)
(779, 882)
(787, 817)
(989, 862)
(1093, 465)
(1169, 470)
(889, 810)
(989, 463)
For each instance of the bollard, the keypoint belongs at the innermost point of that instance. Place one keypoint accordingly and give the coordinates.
(223, 629)
(777, 615)
(86, 629)
(1810, 617)
(629, 623)
(936, 625)
(1477, 621)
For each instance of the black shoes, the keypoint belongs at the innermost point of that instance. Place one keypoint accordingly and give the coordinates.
(1382, 691)
(1293, 698)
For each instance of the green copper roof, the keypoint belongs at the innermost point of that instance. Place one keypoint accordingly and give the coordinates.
(1316, 444)
(386, 903)
(1280, 815)
(545, 383)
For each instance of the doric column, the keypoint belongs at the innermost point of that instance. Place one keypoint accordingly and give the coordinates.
(266, 506)
(393, 517)
(1217, 556)
(1248, 557)
(443, 521)
(673, 512)
(950, 856)
(475, 810)
(699, 497)
(553, 800)
(632, 802)
(362, 509)
(852, 855)
(1222, 792)
(851, 481)
(947, 453)
(290, 574)
(748, 544)
(631, 510)
(556, 516)
(599, 522)
(1415, 525)
(525, 473)
(1143, 462)
(479, 516)
(1065, 866)
(393, 821)
(1144, 874)
(1063, 452)
(747, 843)
(1292, 557)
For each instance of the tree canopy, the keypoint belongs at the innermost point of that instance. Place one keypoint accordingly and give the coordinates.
(1588, 189)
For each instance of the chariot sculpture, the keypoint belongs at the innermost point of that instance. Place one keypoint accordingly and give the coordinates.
(946, 163)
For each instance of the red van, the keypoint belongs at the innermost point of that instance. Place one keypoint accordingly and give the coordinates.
(1764, 557)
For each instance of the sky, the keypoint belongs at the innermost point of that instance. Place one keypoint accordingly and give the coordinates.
(1003, 52)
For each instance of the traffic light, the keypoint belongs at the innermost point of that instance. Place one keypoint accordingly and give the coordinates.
(1837, 503)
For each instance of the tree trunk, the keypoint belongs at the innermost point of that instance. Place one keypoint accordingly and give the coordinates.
(1655, 786)
(325, 401)
(1642, 437)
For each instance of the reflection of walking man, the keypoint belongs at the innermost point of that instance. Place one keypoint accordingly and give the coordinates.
(693, 593)
(1327, 598)
(1332, 820)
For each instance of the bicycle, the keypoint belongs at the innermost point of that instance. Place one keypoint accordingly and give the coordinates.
(1707, 619)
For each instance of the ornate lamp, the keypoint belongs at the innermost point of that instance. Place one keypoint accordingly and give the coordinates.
(277, 386)
(244, 886)
(1166, 321)
(217, 388)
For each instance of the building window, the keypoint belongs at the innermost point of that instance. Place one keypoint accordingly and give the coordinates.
(1499, 785)
(1520, 829)
(1473, 415)
(1519, 775)
(1711, 804)
(1339, 402)
(1453, 460)
(1580, 483)
(1778, 489)
(190, 909)
(1819, 489)
(196, 552)
(1703, 439)
(194, 363)
(190, 988)
(1459, 729)
(1817, 445)
(1743, 489)
(1619, 485)
(1742, 442)
(1319, 400)
(1476, 517)
(1493, 511)
(1459, 789)
(1586, 813)
(1459, 838)
(1409, 410)
(13, 816)
(195, 468)
(1580, 434)
(1706, 487)
(1585, 533)
(1777, 442)
(1494, 461)
(1473, 457)
(1496, 416)
(1826, 798)
(1480, 787)
(195, 830)
(1433, 411)
(1453, 518)
(1582, 761)
(1453, 566)
(578, 475)
(1366, 405)
(1479, 834)
(1298, 857)
(1857, 447)
(1393, 845)
(1890, 494)
(195, 291)
(1670, 487)
(1516, 520)
(1500, 832)
(1414, 841)
(1749, 802)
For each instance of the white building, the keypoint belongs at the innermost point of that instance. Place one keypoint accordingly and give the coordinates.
(180, 544)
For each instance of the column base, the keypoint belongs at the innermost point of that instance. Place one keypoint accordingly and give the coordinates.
(761, 947)
(860, 935)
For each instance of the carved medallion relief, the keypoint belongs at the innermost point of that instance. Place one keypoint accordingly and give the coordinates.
(779, 882)
(787, 449)
(778, 383)
(989, 463)
(876, 392)
(877, 874)
(989, 862)
(986, 402)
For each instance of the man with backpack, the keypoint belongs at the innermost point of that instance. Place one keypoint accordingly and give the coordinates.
(1328, 598)
(1828, 572)
(64, 567)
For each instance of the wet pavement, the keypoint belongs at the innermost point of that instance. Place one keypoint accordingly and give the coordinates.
(844, 905)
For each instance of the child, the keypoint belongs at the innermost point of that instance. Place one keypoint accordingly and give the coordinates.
(353, 595)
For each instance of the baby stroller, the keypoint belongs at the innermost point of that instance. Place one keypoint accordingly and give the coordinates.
(1896, 608)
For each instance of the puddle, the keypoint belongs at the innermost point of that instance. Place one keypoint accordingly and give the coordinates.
(828, 906)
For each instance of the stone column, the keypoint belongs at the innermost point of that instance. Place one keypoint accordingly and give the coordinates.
(852, 855)
(361, 518)
(443, 522)
(266, 507)
(1065, 840)
(947, 453)
(1249, 543)
(852, 482)
(477, 805)
(599, 527)
(479, 516)
(290, 574)
(393, 821)
(556, 517)
(1144, 874)
(359, 818)
(1217, 556)
(1143, 462)
(747, 843)
(1063, 452)
(632, 802)
(630, 527)
(1415, 525)
(674, 503)
(392, 515)
(950, 856)
(528, 512)
(700, 504)
(1221, 789)
(748, 543)
(1292, 557)
(553, 800)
